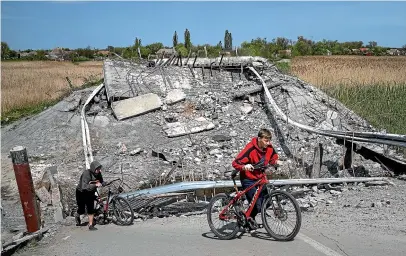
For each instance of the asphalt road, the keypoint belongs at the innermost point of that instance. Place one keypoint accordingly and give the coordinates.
(192, 236)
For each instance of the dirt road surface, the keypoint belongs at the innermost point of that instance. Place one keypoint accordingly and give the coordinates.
(192, 236)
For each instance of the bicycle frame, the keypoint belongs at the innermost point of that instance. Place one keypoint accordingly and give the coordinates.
(261, 183)
(109, 198)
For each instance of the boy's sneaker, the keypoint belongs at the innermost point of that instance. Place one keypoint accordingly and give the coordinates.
(92, 228)
(78, 222)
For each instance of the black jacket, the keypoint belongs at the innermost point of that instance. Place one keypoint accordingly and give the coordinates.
(90, 175)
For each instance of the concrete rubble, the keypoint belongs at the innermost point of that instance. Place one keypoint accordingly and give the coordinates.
(210, 94)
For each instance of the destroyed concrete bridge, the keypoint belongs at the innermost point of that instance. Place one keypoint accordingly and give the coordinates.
(194, 115)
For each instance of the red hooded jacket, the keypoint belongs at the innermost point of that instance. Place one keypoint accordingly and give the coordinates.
(252, 154)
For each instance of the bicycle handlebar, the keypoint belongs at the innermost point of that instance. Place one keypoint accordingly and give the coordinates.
(110, 182)
(262, 168)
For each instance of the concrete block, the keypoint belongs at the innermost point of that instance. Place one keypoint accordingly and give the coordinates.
(175, 96)
(136, 106)
(197, 125)
(43, 195)
(55, 195)
(246, 108)
(58, 214)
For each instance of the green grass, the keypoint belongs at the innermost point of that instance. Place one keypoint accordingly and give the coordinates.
(283, 67)
(30, 110)
(383, 106)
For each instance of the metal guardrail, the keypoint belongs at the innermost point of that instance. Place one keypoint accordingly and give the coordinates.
(197, 185)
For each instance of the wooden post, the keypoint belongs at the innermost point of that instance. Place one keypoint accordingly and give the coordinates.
(26, 188)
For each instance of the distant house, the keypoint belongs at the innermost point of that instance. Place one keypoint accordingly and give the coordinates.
(59, 54)
(56, 54)
(355, 51)
(394, 52)
(287, 53)
(27, 54)
(103, 53)
(166, 52)
(225, 53)
(365, 51)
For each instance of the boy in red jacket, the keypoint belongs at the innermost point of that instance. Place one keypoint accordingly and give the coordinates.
(258, 152)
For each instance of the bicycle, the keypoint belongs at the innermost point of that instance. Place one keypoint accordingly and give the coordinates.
(232, 209)
(121, 208)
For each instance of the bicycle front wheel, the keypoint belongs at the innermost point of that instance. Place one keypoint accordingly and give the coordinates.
(281, 215)
(123, 211)
(224, 228)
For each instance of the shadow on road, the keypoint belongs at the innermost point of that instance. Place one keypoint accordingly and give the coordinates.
(211, 235)
(266, 236)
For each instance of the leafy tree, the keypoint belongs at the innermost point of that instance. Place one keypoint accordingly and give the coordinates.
(110, 48)
(188, 42)
(181, 49)
(228, 41)
(137, 43)
(87, 52)
(213, 51)
(175, 39)
(5, 51)
(41, 55)
(302, 47)
(378, 51)
(257, 47)
(145, 51)
(372, 44)
(127, 53)
(352, 45)
(154, 47)
(282, 43)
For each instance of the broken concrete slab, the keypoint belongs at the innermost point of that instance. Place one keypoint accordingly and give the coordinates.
(197, 125)
(174, 96)
(136, 106)
(10, 247)
(115, 83)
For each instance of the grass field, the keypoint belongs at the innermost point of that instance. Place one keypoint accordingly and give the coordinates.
(27, 87)
(373, 87)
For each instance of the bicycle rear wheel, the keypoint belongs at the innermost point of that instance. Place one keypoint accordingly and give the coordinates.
(279, 211)
(123, 211)
(217, 204)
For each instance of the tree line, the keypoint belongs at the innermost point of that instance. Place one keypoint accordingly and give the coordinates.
(277, 47)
